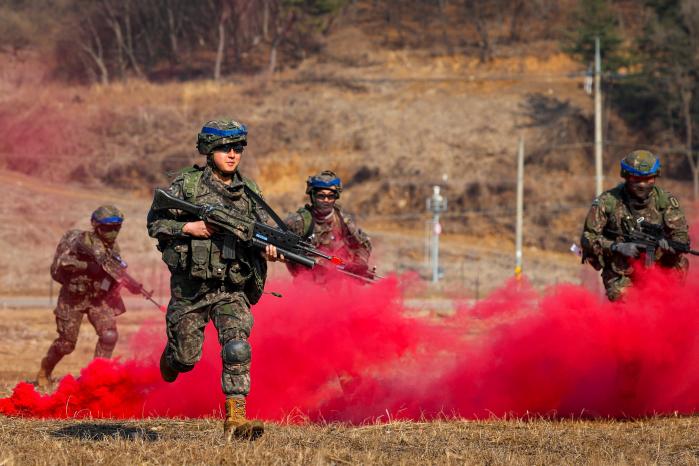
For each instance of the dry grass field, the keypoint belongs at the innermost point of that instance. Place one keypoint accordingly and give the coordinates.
(177, 441)
(26, 334)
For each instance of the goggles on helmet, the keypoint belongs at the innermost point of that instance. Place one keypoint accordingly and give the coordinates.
(226, 133)
(634, 171)
(115, 220)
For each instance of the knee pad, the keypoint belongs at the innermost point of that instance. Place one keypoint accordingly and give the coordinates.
(236, 352)
(109, 337)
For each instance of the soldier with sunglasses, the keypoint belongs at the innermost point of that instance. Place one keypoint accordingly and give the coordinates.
(213, 277)
(85, 289)
(329, 227)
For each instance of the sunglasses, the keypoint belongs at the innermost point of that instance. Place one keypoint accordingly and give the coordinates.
(237, 148)
(109, 227)
(323, 197)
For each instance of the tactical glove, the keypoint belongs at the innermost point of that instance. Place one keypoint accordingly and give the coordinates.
(626, 249)
(665, 246)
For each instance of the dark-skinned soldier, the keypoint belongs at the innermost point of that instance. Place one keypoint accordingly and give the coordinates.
(622, 209)
(208, 281)
(329, 227)
(86, 289)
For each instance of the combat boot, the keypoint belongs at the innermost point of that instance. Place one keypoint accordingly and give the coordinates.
(236, 424)
(168, 374)
(43, 378)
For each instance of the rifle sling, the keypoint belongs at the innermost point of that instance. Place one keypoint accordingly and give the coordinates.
(258, 199)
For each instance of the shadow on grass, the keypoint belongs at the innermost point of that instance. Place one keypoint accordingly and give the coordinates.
(95, 431)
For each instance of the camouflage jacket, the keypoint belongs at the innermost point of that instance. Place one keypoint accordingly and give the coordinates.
(612, 212)
(70, 264)
(202, 258)
(337, 234)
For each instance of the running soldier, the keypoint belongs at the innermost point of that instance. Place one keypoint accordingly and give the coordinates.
(212, 279)
(329, 227)
(619, 211)
(85, 289)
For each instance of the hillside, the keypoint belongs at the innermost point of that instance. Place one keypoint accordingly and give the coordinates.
(392, 122)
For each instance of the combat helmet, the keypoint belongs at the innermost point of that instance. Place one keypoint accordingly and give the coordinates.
(219, 132)
(107, 215)
(324, 180)
(640, 163)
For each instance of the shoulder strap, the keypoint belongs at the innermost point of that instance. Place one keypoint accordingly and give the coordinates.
(252, 190)
(191, 177)
(663, 198)
(308, 222)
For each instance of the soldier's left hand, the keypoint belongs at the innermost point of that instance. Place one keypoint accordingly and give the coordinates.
(270, 253)
(665, 246)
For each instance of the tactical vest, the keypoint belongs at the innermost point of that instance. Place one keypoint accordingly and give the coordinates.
(609, 204)
(253, 283)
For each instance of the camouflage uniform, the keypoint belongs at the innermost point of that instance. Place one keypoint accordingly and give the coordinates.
(614, 211)
(336, 234)
(206, 285)
(85, 290)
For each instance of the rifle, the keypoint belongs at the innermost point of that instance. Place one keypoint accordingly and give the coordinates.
(234, 225)
(369, 276)
(649, 236)
(115, 267)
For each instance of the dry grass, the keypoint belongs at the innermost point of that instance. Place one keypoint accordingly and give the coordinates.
(27, 333)
(170, 441)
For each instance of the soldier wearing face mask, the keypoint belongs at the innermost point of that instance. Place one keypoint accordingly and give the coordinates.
(329, 227)
(622, 209)
(85, 289)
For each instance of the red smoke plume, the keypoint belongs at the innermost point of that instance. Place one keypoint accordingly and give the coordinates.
(349, 352)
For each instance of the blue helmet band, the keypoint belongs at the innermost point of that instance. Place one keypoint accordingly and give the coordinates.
(108, 220)
(225, 133)
(634, 171)
(317, 183)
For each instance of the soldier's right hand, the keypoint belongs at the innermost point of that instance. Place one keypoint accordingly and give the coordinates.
(198, 229)
(627, 249)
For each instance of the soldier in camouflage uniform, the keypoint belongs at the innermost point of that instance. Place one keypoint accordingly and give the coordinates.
(208, 282)
(620, 210)
(329, 227)
(86, 289)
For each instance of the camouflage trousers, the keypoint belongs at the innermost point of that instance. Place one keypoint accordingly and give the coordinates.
(192, 305)
(616, 283)
(70, 309)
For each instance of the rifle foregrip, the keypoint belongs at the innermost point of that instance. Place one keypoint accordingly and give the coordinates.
(299, 259)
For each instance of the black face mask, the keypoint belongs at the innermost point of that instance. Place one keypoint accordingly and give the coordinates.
(108, 233)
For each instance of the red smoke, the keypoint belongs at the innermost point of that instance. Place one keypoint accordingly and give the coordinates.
(347, 352)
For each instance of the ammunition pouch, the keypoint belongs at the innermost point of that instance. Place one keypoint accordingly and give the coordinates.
(597, 262)
(255, 285)
(175, 254)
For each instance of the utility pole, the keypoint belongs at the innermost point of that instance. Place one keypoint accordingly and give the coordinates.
(435, 204)
(520, 209)
(598, 119)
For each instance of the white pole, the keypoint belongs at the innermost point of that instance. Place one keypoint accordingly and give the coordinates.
(520, 208)
(598, 120)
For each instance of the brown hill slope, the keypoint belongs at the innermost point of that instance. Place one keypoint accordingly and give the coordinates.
(391, 122)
